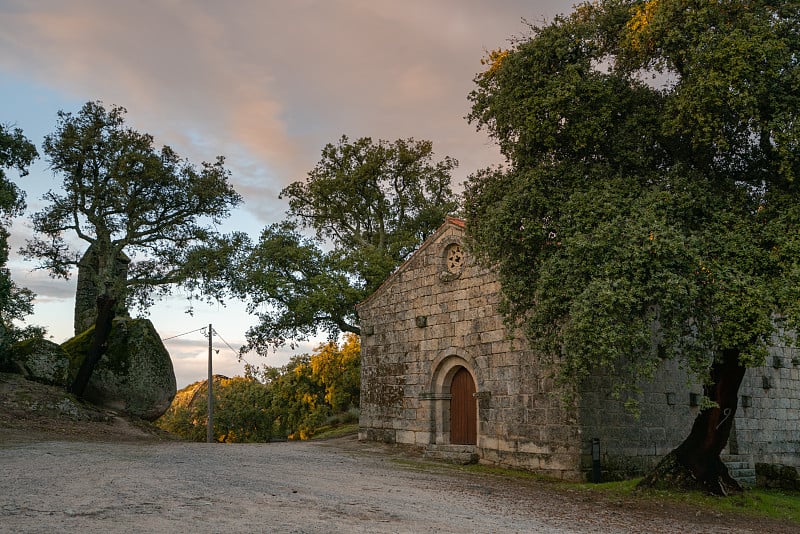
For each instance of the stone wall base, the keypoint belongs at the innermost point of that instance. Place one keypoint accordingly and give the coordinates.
(777, 476)
(456, 454)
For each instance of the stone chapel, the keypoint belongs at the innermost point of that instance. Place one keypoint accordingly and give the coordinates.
(439, 371)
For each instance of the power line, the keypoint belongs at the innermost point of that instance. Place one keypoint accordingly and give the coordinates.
(204, 328)
(228, 344)
(184, 334)
(236, 352)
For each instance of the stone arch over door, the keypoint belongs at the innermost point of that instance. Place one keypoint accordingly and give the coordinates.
(453, 364)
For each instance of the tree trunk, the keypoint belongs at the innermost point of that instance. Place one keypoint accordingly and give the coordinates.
(696, 463)
(106, 306)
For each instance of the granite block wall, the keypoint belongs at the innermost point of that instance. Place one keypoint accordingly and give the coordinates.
(630, 445)
(432, 317)
(767, 424)
(427, 321)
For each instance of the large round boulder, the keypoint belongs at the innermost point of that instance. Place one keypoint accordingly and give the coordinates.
(134, 376)
(41, 360)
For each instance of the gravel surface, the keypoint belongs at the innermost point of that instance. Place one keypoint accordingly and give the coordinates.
(66, 466)
(339, 485)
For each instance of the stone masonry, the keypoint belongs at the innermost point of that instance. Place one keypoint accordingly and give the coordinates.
(631, 445)
(767, 424)
(428, 320)
(438, 314)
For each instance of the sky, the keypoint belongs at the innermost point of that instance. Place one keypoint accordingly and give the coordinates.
(266, 84)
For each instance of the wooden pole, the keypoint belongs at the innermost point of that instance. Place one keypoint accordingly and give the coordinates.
(210, 432)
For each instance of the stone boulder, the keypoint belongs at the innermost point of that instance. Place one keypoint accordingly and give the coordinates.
(41, 360)
(87, 290)
(134, 376)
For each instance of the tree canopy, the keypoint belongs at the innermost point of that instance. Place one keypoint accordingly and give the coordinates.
(123, 196)
(145, 215)
(294, 401)
(650, 205)
(369, 205)
(16, 152)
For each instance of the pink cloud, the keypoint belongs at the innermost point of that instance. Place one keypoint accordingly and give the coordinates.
(269, 83)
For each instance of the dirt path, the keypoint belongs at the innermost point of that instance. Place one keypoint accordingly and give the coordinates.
(332, 486)
(69, 467)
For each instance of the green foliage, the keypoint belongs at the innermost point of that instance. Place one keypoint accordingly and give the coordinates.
(311, 389)
(294, 287)
(299, 399)
(338, 369)
(314, 391)
(649, 207)
(369, 204)
(121, 195)
(16, 152)
(376, 202)
(241, 411)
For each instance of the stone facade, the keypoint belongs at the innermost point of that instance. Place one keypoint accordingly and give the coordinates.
(629, 445)
(437, 314)
(434, 317)
(767, 424)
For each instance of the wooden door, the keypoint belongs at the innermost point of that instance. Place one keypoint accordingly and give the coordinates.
(463, 409)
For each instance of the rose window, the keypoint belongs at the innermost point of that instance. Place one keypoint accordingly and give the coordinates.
(454, 258)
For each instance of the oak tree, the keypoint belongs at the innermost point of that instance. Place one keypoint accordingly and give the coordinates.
(650, 205)
(16, 152)
(123, 198)
(369, 205)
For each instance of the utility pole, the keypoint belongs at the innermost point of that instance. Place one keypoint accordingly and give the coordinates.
(210, 432)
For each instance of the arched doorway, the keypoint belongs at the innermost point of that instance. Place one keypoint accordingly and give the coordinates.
(463, 409)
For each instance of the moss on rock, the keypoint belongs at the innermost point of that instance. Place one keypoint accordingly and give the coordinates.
(41, 360)
(135, 375)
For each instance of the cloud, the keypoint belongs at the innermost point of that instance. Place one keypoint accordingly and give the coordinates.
(48, 289)
(271, 82)
(266, 83)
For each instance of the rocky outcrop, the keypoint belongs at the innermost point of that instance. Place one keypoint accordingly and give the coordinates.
(134, 376)
(41, 360)
(87, 291)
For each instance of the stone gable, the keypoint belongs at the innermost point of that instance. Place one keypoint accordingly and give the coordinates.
(434, 316)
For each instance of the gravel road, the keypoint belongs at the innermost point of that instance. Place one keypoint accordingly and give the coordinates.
(339, 485)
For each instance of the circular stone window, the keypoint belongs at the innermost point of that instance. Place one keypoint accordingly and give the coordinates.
(455, 258)
(454, 261)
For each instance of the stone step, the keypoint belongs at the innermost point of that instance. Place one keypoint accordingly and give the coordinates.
(747, 482)
(456, 454)
(741, 468)
(736, 466)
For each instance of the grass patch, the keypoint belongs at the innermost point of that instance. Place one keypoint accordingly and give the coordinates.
(478, 469)
(756, 502)
(335, 431)
(503, 472)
